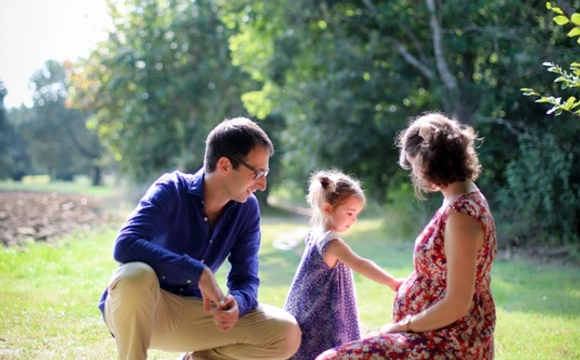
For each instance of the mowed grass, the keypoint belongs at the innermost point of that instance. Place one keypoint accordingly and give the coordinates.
(49, 294)
(43, 183)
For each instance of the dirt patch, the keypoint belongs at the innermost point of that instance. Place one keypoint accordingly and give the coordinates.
(37, 216)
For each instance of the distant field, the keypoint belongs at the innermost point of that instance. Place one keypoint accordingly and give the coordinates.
(80, 185)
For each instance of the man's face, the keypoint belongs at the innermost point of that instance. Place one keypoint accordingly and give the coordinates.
(242, 182)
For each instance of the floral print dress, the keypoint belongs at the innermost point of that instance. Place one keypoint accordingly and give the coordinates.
(322, 299)
(470, 337)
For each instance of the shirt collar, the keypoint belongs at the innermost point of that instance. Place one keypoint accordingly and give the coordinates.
(196, 183)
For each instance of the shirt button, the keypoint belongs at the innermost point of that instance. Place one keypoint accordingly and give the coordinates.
(211, 241)
(205, 219)
(180, 289)
(163, 277)
(189, 281)
(202, 260)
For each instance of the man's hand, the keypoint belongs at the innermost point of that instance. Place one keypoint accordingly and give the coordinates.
(226, 314)
(210, 290)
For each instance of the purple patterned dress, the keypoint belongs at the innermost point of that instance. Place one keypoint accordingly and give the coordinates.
(322, 299)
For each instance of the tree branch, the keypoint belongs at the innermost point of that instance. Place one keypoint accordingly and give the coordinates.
(371, 7)
(509, 125)
(446, 76)
(413, 61)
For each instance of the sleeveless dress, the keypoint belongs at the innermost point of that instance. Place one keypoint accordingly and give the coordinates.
(322, 299)
(470, 337)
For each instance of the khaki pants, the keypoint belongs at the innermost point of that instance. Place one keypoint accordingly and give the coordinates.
(142, 316)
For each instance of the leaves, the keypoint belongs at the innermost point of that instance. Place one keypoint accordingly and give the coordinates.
(561, 20)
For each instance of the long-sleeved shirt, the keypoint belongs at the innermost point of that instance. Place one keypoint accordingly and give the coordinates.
(169, 231)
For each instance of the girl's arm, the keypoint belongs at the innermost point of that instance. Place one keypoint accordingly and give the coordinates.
(339, 251)
(463, 237)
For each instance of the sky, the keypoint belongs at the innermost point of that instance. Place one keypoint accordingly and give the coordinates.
(33, 31)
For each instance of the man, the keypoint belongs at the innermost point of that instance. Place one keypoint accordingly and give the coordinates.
(164, 294)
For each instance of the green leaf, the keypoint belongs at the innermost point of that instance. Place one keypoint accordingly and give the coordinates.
(557, 10)
(548, 5)
(561, 20)
(574, 32)
(575, 18)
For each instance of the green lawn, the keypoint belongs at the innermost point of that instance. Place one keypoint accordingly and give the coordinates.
(49, 295)
(43, 183)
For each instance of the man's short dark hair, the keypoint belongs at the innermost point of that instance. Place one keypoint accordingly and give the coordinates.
(234, 139)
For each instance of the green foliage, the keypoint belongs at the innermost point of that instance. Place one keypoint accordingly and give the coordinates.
(348, 74)
(54, 135)
(159, 83)
(567, 79)
(540, 204)
(5, 132)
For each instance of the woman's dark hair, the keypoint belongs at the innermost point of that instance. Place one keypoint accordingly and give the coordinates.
(234, 139)
(441, 149)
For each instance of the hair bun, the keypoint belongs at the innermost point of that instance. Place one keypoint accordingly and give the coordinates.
(425, 132)
(325, 182)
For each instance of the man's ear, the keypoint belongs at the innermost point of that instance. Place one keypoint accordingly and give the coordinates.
(327, 208)
(224, 164)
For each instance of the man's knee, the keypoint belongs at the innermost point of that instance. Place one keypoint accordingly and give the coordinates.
(294, 337)
(288, 331)
(134, 278)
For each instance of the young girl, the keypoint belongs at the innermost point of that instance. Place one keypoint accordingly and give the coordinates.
(322, 296)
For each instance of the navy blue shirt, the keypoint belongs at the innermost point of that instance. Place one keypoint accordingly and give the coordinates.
(170, 231)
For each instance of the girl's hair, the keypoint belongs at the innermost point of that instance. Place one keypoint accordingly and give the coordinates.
(442, 151)
(332, 187)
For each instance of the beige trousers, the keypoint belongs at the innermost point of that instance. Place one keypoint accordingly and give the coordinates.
(143, 316)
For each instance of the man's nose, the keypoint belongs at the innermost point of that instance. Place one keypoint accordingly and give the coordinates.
(262, 183)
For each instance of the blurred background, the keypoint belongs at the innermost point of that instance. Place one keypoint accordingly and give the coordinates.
(115, 93)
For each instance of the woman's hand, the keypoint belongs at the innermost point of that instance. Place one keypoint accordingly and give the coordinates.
(392, 328)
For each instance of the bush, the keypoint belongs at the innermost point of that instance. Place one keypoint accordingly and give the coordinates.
(540, 203)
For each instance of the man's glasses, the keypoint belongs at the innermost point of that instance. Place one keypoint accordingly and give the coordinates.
(258, 174)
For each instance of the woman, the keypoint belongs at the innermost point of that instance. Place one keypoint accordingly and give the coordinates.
(445, 309)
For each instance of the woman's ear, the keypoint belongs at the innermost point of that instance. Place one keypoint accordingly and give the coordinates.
(327, 208)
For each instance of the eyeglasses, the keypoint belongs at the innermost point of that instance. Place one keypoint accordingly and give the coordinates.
(258, 174)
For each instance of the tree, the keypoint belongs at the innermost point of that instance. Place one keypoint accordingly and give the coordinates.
(348, 74)
(5, 131)
(568, 80)
(58, 141)
(159, 83)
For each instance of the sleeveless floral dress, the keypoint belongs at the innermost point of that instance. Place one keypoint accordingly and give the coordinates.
(470, 337)
(322, 299)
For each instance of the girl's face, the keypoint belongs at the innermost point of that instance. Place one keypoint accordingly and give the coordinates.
(343, 216)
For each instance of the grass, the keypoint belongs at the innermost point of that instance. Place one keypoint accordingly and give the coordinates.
(43, 183)
(49, 295)
(49, 292)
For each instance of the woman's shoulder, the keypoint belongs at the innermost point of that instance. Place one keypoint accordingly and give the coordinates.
(472, 203)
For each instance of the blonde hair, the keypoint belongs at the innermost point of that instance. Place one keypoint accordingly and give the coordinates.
(332, 187)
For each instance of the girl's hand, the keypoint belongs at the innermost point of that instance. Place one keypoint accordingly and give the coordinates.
(397, 284)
